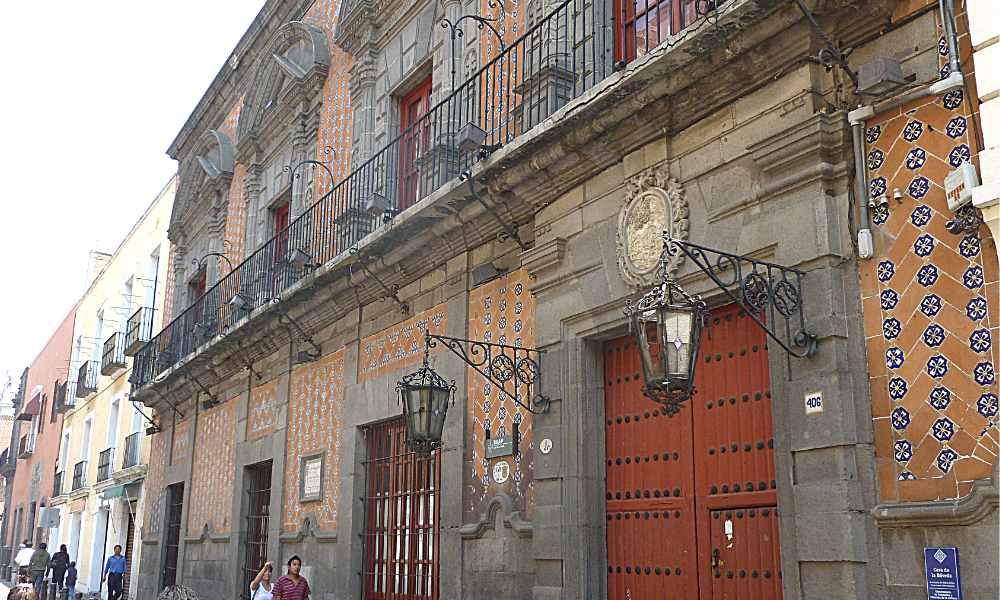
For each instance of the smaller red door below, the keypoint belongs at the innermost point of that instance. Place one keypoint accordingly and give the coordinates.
(745, 558)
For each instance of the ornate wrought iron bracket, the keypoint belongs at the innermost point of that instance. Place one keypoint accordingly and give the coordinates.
(197, 263)
(389, 292)
(830, 55)
(509, 229)
(456, 32)
(968, 219)
(286, 319)
(153, 427)
(213, 400)
(247, 363)
(169, 403)
(769, 293)
(503, 366)
(329, 150)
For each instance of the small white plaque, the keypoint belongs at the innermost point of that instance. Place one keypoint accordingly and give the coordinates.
(814, 403)
(501, 471)
(545, 446)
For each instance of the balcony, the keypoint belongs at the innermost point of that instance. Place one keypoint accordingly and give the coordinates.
(132, 445)
(64, 397)
(113, 355)
(138, 330)
(559, 58)
(86, 379)
(26, 445)
(104, 464)
(79, 475)
(57, 484)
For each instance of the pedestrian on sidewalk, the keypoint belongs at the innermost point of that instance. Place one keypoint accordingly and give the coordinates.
(38, 566)
(292, 586)
(22, 592)
(261, 587)
(114, 572)
(71, 581)
(22, 559)
(59, 564)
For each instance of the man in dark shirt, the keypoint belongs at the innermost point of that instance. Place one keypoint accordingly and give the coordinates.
(292, 586)
(114, 572)
(58, 565)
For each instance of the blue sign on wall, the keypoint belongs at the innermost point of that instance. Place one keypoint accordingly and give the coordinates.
(943, 579)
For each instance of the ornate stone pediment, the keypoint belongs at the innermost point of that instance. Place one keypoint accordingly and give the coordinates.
(654, 203)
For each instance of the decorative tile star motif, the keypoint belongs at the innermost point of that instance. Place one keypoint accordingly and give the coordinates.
(958, 155)
(877, 187)
(880, 214)
(903, 450)
(921, 215)
(934, 335)
(900, 418)
(940, 398)
(894, 358)
(943, 429)
(973, 277)
(924, 245)
(913, 131)
(937, 366)
(945, 459)
(897, 388)
(930, 305)
(907, 476)
(891, 328)
(919, 187)
(956, 127)
(872, 134)
(944, 71)
(927, 275)
(969, 246)
(987, 405)
(985, 373)
(953, 100)
(886, 269)
(888, 299)
(943, 46)
(875, 159)
(980, 340)
(976, 308)
(916, 158)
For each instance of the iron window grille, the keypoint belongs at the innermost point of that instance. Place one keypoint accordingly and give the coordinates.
(257, 516)
(57, 483)
(138, 330)
(113, 356)
(79, 475)
(104, 464)
(86, 379)
(131, 456)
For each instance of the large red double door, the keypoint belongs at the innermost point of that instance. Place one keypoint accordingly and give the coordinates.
(691, 501)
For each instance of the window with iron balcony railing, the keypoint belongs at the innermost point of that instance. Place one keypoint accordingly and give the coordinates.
(65, 396)
(86, 379)
(138, 330)
(26, 446)
(57, 483)
(79, 475)
(558, 58)
(104, 464)
(113, 356)
(132, 445)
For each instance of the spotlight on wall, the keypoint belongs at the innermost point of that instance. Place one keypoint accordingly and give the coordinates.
(299, 259)
(239, 302)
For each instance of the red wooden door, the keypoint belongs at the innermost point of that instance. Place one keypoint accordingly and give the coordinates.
(413, 142)
(672, 482)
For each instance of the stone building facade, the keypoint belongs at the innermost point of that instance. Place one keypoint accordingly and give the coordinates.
(522, 204)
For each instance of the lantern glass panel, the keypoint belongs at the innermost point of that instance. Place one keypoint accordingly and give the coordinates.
(676, 329)
(646, 326)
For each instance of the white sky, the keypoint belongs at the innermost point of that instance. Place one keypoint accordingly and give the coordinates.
(93, 94)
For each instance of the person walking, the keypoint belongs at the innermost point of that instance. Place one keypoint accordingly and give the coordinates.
(38, 566)
(114, 572)
(22, 559)
(71, 581)
(59, 564)
(292, 586)
(261, 587)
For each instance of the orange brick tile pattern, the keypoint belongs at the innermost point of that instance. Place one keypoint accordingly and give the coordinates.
(182, 442)
(314, 418)
(401, 345)
(501, 312)
(930, 307)
(212, 472)
(263, 410)
(155, 493)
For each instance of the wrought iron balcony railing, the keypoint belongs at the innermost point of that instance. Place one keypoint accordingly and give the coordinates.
(138, 330)
(113, 356)
(80, 475)
(86, 379)
(26, 445)
(57, 483)
(104, 464)
(65, 396)
(559, 57)
(132, 444)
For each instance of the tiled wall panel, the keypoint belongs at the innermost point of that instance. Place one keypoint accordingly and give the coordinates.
(263, 410)
(213, 470)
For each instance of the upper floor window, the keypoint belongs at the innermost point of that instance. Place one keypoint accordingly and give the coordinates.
(644, 24)
(414, 142)
(197, 285)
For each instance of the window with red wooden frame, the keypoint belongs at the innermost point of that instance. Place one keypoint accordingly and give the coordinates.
(196, 289)
(402, 518)
(641, 25)
(414, 141)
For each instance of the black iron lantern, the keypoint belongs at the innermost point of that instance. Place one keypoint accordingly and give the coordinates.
(667, 324)
(425, 397)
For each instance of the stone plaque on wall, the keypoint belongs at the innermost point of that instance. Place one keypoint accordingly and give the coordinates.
(654, 204)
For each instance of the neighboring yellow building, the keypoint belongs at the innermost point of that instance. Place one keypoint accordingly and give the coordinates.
(103, 449)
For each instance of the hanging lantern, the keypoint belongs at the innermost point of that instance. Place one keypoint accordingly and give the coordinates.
(425, 397)
(667, 325)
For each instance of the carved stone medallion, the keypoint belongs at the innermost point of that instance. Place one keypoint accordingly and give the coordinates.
(654, 203)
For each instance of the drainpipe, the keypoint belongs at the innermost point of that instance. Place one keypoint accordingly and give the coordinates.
(858, 119)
